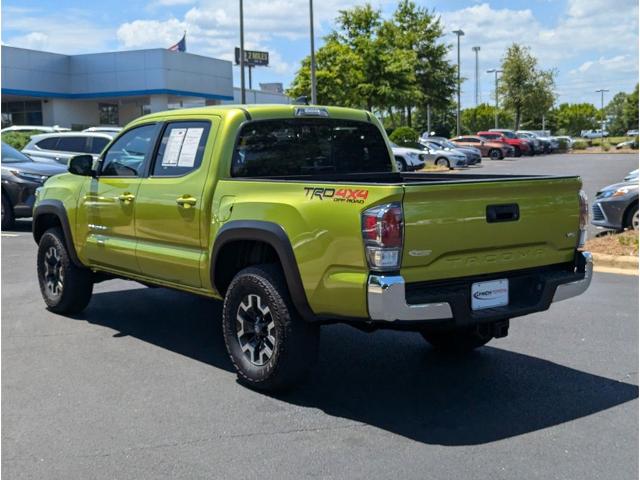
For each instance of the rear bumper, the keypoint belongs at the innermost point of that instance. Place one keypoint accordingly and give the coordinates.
(389, 299)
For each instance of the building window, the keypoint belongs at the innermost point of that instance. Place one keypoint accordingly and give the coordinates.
(22, 113)
(109, 114)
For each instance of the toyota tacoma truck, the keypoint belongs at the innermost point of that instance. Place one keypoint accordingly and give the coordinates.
(296, 217)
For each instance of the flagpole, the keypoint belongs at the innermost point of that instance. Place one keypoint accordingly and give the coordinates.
(243, 98)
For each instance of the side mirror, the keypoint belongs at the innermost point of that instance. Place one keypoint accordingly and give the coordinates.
(82, 165)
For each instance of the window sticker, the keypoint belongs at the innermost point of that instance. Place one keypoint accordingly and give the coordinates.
(174, 145)
(190, 147)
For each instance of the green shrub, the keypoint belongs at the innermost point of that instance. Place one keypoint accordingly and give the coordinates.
(403, 136)
(634, 145)
(606, 146)
(580, 145)
(17, 140)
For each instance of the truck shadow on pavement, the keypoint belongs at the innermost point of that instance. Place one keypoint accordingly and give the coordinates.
(389, 380)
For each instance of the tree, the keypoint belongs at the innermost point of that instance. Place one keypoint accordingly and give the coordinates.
(572, 118)
(630, 110)
(614, 111)
(523, 88)
(483, 117)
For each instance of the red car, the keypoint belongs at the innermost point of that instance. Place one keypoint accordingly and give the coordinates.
(520, 145)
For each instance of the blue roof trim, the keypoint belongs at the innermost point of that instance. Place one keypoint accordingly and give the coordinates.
(125, 93)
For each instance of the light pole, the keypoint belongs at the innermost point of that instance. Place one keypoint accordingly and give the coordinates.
(458, 33)
(601, 92)
(314, 94)
(477, 49)
(496, 71)
(243, 97)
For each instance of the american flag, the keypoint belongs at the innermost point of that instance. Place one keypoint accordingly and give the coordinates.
(181, 46)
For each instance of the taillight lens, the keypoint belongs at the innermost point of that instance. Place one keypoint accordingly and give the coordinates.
(584, 218)
(382, 230)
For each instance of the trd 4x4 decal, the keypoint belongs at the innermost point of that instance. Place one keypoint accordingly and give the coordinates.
(349, 195)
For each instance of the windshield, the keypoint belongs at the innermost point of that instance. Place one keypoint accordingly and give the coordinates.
(11, 155)
(509, 134)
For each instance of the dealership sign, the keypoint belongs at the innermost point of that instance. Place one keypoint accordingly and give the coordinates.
(253, 58)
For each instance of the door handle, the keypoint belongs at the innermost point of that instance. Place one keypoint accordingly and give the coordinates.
(186, 201)
(126, 197)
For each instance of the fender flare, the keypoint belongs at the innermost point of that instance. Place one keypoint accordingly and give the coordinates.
(56, 207)
(275, 236)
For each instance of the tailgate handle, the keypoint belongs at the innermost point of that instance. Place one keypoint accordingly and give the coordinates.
(503, 213)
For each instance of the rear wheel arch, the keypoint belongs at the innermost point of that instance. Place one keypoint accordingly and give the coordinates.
(243, 243)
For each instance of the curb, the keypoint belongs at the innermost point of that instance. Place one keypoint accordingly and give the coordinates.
(624, 262)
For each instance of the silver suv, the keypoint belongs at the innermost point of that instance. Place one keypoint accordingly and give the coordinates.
(62, 146)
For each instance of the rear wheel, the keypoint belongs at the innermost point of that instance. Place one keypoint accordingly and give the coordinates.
(8, 218)
(269, 344)
(443, 162)
(65, 287)
(495, 154)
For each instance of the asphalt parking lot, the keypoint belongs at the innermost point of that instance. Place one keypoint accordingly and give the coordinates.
(139, 386)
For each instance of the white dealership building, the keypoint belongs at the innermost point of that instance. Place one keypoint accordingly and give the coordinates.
(113, 88)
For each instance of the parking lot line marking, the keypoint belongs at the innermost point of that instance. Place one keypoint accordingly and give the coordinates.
(10, 235)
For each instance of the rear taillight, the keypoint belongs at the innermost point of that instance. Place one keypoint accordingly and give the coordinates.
(584, 218)
(382, 230)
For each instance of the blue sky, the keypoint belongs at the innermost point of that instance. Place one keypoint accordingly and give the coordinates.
(590, 43)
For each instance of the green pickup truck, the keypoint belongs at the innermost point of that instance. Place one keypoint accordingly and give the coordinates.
(296, 217)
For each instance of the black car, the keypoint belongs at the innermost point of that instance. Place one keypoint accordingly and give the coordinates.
(20, 178)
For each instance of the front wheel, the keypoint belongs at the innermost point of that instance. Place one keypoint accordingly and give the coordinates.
(518, 152)
(458, 341)
(400, 165)
(443, 162)
(8, 218)
(65, 287)
(632, 218)
(495, 154)
(270, 345)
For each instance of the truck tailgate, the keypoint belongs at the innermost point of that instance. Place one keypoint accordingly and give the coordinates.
(478, 227)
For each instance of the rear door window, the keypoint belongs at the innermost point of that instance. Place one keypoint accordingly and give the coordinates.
(98, 144)
(309, 146)
(48, 143)
(72, 144)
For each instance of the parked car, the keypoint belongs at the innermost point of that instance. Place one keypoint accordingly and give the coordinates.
(567, 139)
(34, 128)
(114, 130)
(533, 145)
(408, 159)
(488, 148)
(537, 146)
(295, 218)
(594, 134)
(441, 157)
(627, 144)
(632, 176)
(520, 146)
(62, 146)
(632, 133)
(616, 206)
(545, 135)
(20, 178)
(473, 155)
(545, 144)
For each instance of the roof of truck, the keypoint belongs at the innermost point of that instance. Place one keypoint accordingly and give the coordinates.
(261, 111)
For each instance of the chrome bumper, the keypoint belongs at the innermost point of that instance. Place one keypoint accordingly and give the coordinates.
(572, 289)
(386, 301)
(386, 298)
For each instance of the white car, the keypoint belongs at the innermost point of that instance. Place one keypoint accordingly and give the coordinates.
(632, 133)
(408, 159)
(594, 134)
(34, 128)
(62, 146)
(114, 130)
(444, 158)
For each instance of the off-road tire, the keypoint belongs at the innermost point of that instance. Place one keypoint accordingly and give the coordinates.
(8, 218)
(295, 349)
(458, 341)
(72, 291)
